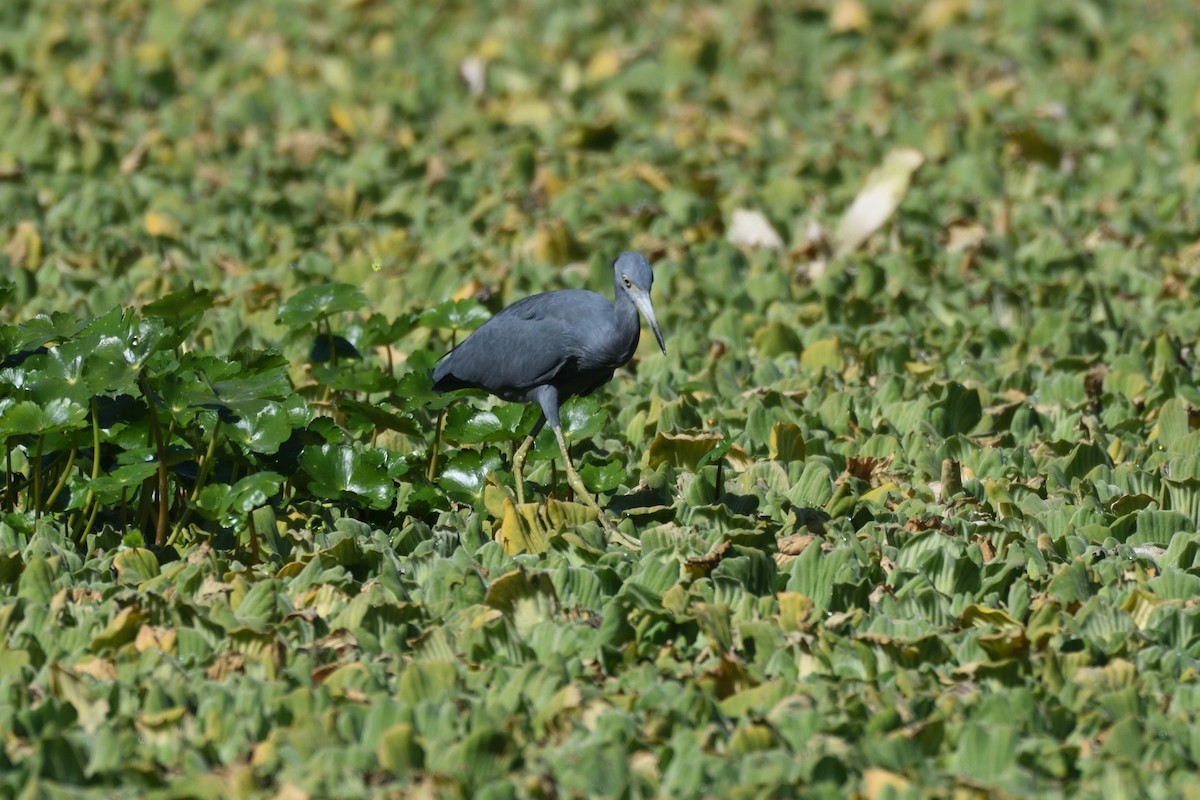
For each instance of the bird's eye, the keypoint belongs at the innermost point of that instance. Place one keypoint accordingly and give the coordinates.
(628, 283)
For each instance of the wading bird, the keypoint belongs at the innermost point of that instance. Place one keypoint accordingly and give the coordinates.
(552, 346)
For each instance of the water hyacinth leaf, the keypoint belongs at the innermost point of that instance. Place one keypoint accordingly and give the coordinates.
(603, 477)
(958, 410)
(522, 530)
(121, 629)
(117, 358)
(29, 418)
(787, 442)
(465, 472)
(56, 374)
(1173, 423)
(123, 479)
(219, 500)
(135, 565)
(91, 709)
(464, 315)
(256, 376)
(528, 599)
(814, 489)
(261, 426)
(1160, 527)
(470, 425)
(682, 450)
(36, 583)
(776, 339)
(181, 305)
(382, 419)
(823, 354)
(582, 418)
(398, 750)
(378, 330)
(986, 753)
(315, 303)
(341, 472)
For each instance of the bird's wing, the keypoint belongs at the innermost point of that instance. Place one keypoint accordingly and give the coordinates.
(523, 346)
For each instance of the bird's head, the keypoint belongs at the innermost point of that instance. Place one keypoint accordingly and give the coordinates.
(634, 277)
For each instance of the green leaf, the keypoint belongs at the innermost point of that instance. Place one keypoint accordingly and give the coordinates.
(315, 303)
(29, 418)
(341, 472)
(464, 314)
(957, 411)
(36, 583)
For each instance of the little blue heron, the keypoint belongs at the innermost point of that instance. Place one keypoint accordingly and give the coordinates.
(552, 346)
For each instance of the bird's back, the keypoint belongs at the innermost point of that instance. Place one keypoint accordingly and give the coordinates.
(550, 338)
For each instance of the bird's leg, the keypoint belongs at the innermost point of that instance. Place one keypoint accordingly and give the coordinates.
(582, 493)
(518, 465)
(518, 462)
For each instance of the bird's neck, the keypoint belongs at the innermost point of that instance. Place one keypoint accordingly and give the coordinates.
(627, 324)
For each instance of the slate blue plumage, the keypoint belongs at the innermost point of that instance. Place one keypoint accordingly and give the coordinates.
(552, 346)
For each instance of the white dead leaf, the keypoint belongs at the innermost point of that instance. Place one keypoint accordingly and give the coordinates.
(880, 197)
(752, 229)
(473, 71)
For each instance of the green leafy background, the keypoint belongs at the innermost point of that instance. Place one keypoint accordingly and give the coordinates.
(918, 510)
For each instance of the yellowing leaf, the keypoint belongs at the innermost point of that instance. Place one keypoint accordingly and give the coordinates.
(24, 249)
(92, 712)
(561, 515)
(651, 175)
(603, 66)
(878, 783)
(159, 224)
(794, 609)
(521, 531)
(102, 669)
(151, 56)
(530, 112)
(787, 442)
(153, 637)
(822, 354)
(878, 200)
(939, 14)
(1140, 606)
(83, 79)
(343, 118)
(123, 628)
(277, 61)
(681, 449)
(849, 15)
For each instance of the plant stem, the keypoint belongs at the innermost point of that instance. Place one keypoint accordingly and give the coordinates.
(91, 495)
(253, 531)
(62, 478)
(201, 477)
(8, 475)
(437, 444)
(160, 527)
(37, 479)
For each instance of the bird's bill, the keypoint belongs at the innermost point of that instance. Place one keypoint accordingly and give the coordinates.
(641, 299)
